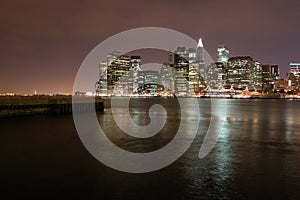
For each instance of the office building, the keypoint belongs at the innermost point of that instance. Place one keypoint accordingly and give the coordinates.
(293, 81)
(135, 67)
(221, 73)
(101, 85)
(266, 78)
(295, 68)
(256, 77)
(117, 75)
(148, 82)
(222, 53)
(166, 77)
(181, 71)
(239, 72)
(193, 72)
(275, 73)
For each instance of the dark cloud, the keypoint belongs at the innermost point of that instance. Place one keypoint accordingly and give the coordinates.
(42, 43)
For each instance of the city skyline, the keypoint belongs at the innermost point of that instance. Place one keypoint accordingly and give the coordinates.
(43, 44)
(187, 72)
(222, 55)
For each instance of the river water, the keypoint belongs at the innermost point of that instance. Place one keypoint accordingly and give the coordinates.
(257, 155)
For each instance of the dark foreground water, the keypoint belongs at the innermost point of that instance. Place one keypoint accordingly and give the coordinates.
(257, 156)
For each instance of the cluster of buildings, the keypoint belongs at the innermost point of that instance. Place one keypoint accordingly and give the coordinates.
(185, 73)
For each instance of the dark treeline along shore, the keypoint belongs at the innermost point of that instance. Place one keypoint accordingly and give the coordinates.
(43, 104)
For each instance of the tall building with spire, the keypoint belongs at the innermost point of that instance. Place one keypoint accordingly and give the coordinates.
(200, 50)
(201, 58)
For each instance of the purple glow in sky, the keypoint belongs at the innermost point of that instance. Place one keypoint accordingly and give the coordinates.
(42, 43)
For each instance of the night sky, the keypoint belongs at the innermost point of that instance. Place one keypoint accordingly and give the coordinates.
(42, 43)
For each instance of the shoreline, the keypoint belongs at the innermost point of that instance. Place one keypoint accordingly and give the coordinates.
(11, 106)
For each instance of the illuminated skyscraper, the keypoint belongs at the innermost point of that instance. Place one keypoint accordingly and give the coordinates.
(200, 50)
(239, 72)
(135, 67)
(117, 75)
(295, 69)
(275, 73)
(221, 73)
(293, 81)
(201, 58)
(193, 71)
(256, 76)
(181, 71)
(244, 72)
(101, 85)
(212, 76)
(171, 58)
(147, 77)
(148, 82)
(266, 78)
(166, 77)
(217, 72)
(111, 57)
(222, 53)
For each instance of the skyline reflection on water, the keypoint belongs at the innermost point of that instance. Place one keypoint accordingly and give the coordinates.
(256, 156)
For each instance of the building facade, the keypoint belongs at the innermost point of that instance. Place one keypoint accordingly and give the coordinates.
(166, 76)
(222, 53)
(256, 77)
(135, 67)
(181, 71)
(148, 82)
(295, 69)
(239, 72)
(266, 78)
(117, 75)
(101, 85)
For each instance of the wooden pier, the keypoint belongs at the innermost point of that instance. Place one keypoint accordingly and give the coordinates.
(20, 105)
